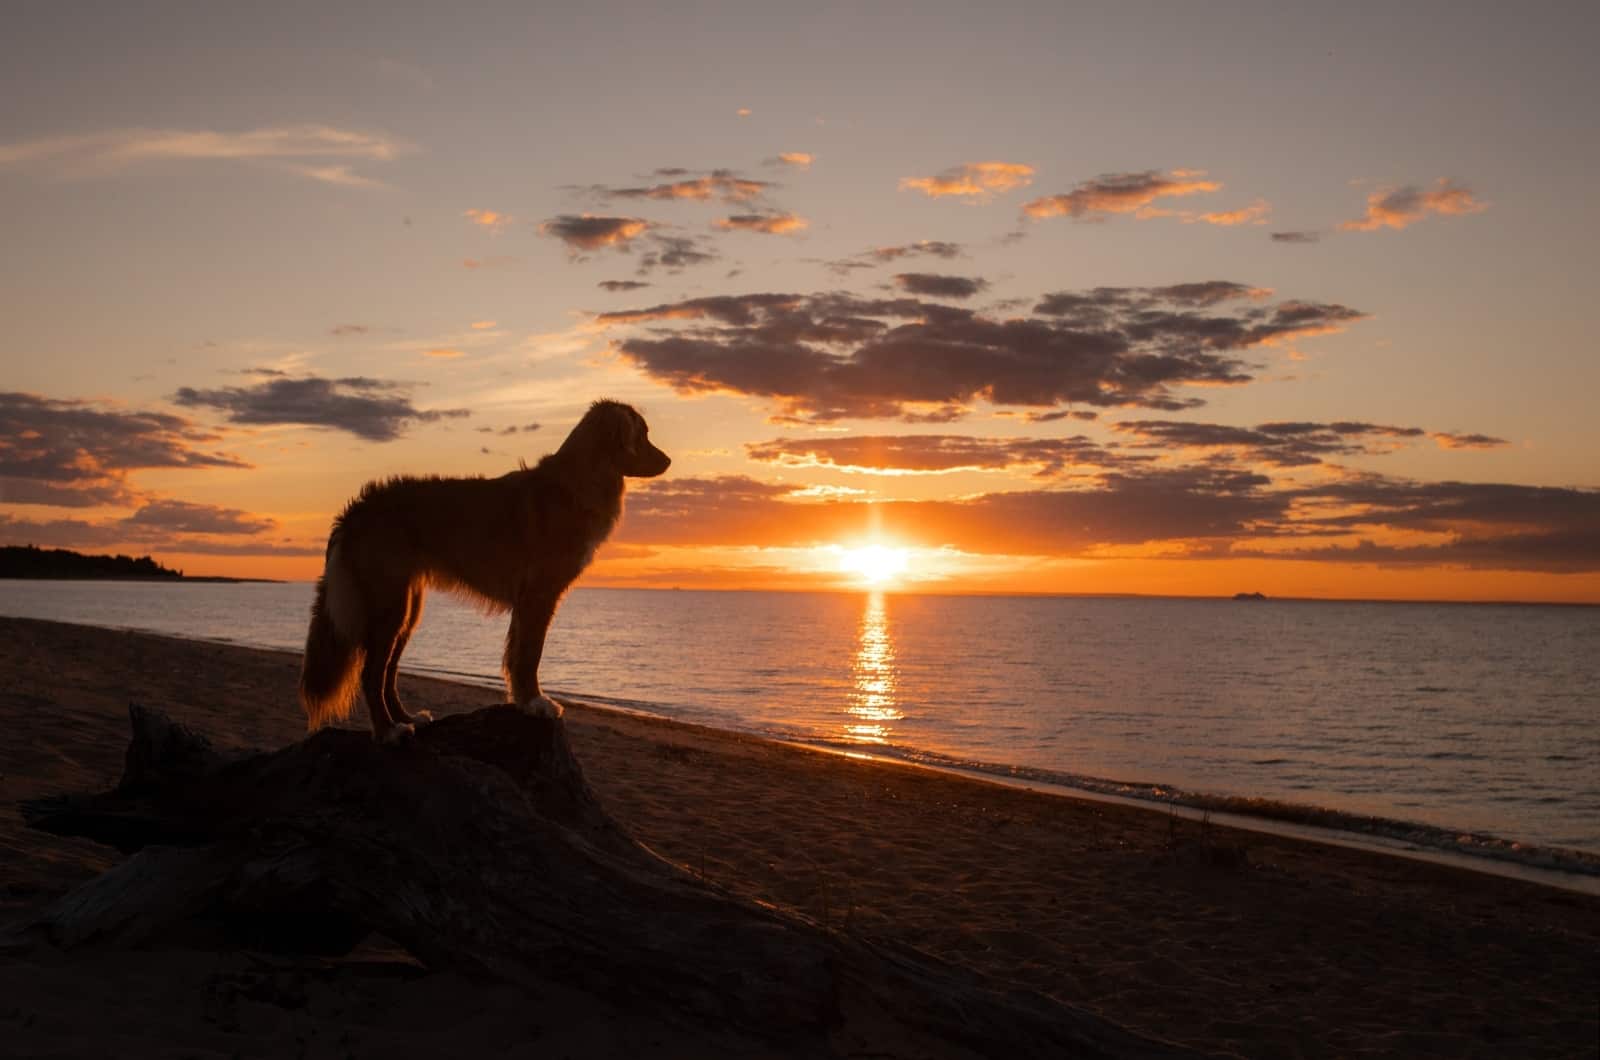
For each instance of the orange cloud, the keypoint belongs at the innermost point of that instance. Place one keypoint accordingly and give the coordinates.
(482, 325)
(444, 351)
(1399, 207)
(975, 180)
(772, 224)
(493, 220)
(1254, 214)
(800, 159)
(1121, 193)
(489, 263)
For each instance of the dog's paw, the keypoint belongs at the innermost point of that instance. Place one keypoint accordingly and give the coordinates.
(542, 707)
(397, 733)
(421, 718)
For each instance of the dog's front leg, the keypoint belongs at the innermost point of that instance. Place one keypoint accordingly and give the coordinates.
(530, 620)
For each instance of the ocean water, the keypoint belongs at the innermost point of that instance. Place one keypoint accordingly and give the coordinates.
(1466, 718)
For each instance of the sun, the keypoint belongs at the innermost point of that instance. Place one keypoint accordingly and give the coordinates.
(876, 564)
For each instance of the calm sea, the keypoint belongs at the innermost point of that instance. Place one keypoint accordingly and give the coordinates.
(1469, 718)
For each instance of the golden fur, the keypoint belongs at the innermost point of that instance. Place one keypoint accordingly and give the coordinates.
(512, 543)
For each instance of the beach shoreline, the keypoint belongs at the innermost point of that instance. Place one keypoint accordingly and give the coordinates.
(1232, 942)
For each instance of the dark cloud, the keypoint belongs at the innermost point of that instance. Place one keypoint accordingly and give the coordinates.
(506, 431)
(674, 253)
(834, 356)
(1450, 440)
(373, 409)
(721, 184)
(1297, 237)
(1121, 193)
(78, 454)
(621, 285)
(1279, 444)
(582, 232)
(175, 516)
(1061, 414)
(934, 285)
(342, 330)
(869, 259)
(940, 453)
(772, 223)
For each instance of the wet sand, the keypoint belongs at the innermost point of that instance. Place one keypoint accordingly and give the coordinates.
(1229, 942)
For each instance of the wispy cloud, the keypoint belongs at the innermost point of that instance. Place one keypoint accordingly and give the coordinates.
(493, 220)
(1254, 214)
(1402, 207)
(1121, 193)
(1297, 237)
(796, 159)
(974, 181)
(939, 454)
(722, 184)
(868, 259)
(502, 261)
(317, 152)
(1451, 440)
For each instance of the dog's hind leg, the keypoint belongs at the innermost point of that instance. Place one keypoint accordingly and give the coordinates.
(530, 621)
(391, 694)
(386, 618)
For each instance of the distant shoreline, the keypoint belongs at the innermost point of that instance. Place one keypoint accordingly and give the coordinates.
(152, 579)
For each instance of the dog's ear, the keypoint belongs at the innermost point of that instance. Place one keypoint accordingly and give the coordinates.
(628, 428)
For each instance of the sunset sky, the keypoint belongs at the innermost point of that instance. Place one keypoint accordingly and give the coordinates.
(1154, 298)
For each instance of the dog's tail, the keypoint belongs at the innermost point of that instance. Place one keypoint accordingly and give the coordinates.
(334, 654)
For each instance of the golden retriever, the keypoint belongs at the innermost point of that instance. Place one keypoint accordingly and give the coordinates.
(512, 543)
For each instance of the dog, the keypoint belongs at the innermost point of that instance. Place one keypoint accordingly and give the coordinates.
(511, 543)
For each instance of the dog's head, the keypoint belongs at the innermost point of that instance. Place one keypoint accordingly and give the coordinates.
(614, 433)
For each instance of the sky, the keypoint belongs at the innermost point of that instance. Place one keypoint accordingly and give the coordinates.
(1176, 298)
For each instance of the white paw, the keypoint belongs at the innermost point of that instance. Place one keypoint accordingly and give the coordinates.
(421, 718)
(542, 707)
(397, 733)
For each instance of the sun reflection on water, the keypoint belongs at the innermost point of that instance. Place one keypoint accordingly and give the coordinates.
(873, 706)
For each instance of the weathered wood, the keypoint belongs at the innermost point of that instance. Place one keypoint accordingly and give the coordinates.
(479, 846)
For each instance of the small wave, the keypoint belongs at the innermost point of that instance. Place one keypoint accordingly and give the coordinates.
(1404, 834)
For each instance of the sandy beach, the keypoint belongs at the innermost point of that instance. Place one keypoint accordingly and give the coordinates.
(1227, 942)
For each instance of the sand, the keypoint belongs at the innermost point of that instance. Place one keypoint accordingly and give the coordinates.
(1229, 942)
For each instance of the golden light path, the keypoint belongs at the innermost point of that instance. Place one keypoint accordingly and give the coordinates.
(873, 704)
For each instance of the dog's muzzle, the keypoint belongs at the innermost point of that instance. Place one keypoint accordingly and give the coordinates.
(649, 463)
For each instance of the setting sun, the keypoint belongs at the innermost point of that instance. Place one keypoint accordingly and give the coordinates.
(876, 564)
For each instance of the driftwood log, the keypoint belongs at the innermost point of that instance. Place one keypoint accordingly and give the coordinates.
(479, 846)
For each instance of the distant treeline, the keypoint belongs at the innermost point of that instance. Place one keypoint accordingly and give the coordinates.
(29, 561)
